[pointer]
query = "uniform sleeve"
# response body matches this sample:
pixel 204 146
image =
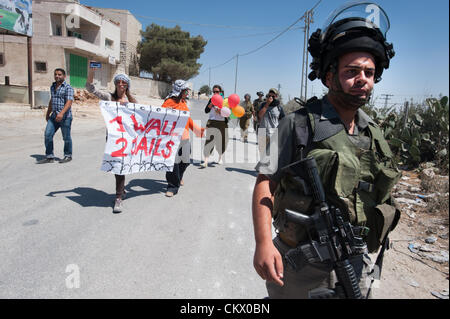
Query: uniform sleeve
pixel 281 150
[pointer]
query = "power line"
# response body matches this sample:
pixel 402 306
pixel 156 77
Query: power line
pixel 218 66
pixel 270 41
pixel 387 97
pixel 221 38
pixel 304 78
pixel 208 25
pixel 127 12
pixel 306 14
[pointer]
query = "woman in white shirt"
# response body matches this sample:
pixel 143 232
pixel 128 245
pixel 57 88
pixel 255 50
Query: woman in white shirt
pixel 216 130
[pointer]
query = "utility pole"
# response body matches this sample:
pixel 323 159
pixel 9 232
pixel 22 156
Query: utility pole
pixel 209 84
pixel 235 79
pixel 387 97
pixel 308 17
pixel 406 111
pixel 30 70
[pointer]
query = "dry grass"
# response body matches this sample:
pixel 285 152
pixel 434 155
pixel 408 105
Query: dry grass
pixel 438 185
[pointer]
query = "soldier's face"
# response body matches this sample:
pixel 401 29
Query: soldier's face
pixel 356 74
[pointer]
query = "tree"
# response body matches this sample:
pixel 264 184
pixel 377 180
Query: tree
pixel 205 89
pixel 170 53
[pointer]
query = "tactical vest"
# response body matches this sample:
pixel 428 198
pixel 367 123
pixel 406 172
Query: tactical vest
pixel 356 180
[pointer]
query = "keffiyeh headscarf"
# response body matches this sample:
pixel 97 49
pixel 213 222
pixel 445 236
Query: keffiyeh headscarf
pixel 177 88
pixel 122 77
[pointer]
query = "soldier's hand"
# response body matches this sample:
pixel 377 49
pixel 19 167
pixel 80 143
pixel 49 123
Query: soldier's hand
pixel 268 263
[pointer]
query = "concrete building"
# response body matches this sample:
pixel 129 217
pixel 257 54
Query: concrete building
pixel 130 37
pixel 66 35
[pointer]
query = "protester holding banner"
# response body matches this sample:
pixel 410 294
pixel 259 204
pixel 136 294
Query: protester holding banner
pixel 177 100
pixel 217 124
pixel 121 94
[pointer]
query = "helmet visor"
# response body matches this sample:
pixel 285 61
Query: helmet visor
pixel 368 11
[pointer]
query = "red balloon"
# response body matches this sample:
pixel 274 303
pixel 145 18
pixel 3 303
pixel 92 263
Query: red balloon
pixel 217 100
pixel 233 100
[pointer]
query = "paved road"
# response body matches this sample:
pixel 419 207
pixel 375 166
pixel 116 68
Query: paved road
pixel 56 222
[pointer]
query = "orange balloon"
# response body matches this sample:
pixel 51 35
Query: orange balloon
pixel 238 111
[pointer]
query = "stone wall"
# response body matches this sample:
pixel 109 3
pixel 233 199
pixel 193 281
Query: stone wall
pixel 148 87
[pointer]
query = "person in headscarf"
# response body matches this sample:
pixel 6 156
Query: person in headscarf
pixel 177 100
pixel 244 121
pixel 121 94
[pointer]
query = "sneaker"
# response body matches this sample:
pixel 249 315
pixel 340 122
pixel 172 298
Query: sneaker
pixel 66 159
pixel 169 194
pixel 46 161
pixel 117 206
pixel 204 165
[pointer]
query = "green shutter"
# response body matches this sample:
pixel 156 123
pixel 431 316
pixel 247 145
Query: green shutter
pixel 78 71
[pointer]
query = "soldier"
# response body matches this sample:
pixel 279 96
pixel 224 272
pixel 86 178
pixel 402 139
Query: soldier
pixel 354 161
pixel 244 121
pixel 256 104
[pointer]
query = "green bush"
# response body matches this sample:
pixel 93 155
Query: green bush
pixel 419 135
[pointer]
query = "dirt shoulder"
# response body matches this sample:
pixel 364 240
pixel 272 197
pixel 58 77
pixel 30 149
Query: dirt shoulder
pixel 416 265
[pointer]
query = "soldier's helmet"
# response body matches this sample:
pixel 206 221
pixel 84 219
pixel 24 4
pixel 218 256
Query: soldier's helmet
pixel 355 26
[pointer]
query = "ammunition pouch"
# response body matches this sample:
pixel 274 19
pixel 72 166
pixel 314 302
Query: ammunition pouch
pixel 383 219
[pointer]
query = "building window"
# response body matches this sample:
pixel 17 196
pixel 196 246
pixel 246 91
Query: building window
pixel 40 67
pixel 74 34
pixel 2 59
pixel 58 30
pixel 109 43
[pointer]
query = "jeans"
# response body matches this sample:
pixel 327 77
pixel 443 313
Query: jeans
pixel 50 130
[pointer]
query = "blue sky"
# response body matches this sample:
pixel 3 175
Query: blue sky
pixel 419 32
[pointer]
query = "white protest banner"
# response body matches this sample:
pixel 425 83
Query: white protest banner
pixel 141 137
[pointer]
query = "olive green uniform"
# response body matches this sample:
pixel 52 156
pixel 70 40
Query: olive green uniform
pixel 244 121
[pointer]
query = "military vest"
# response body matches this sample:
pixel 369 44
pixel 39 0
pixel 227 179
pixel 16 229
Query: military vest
pixel 356 180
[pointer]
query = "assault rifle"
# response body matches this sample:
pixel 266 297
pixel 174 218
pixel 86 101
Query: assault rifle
pixel 332 240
